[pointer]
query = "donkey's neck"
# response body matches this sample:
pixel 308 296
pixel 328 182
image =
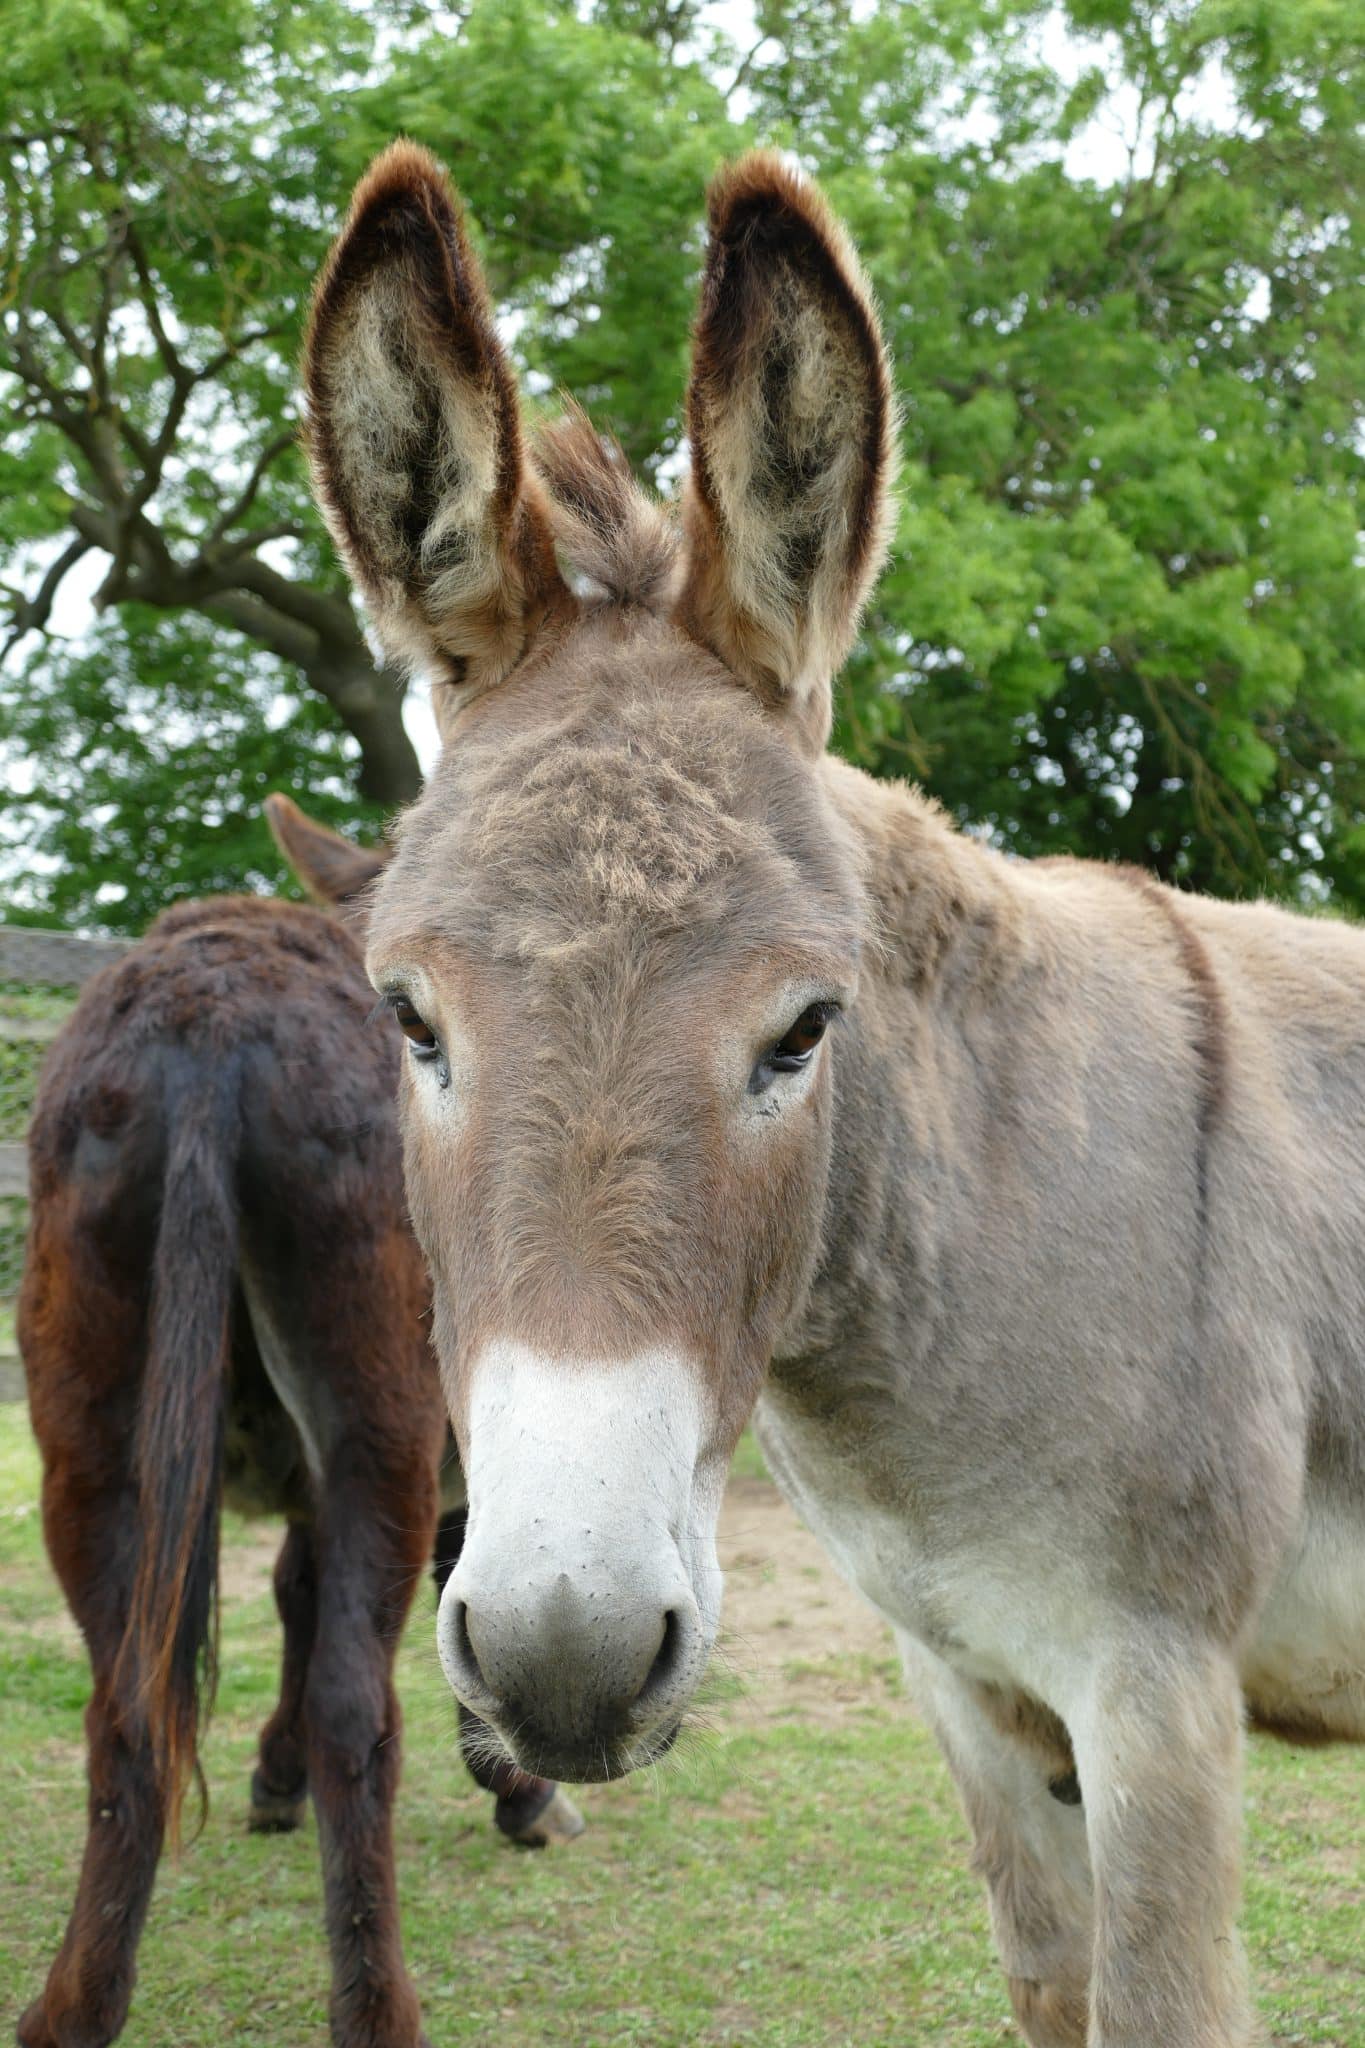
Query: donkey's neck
pixel 963 947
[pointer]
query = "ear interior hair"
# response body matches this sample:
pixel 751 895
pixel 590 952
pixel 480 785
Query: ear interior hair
pixel 792 425
pixel 414 434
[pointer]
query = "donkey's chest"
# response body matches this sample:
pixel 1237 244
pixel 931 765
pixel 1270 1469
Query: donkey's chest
pixel 990 1608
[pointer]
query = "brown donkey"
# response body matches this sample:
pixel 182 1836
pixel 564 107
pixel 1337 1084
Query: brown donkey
pixel 221 1291
pixel 1028 1203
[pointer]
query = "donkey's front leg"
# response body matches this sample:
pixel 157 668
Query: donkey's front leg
pixel 1029 1843
pixel 1158 1739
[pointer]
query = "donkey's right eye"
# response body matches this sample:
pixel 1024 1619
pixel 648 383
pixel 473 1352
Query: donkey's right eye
pixel 415 1029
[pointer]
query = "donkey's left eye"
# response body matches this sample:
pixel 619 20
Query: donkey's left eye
pixel 415 1029
pixel 796 1048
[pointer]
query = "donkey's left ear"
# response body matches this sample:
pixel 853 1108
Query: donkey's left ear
pixel 792 429
pixel 333 870
pixel 414 435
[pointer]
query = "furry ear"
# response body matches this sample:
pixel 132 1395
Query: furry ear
pixel 792 427
pixel 414 436
pixel 332 870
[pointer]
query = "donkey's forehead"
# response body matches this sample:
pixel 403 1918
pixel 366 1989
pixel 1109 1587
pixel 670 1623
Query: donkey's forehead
pixel 615 800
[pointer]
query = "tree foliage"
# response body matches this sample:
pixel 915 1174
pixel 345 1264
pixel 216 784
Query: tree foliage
pixel 1125 614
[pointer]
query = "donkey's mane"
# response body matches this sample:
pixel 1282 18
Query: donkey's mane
pixel 610 532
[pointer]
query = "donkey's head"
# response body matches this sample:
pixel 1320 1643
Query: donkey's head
pixel 622 920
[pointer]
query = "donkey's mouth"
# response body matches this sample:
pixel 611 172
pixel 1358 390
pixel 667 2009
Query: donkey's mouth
pixel 598 1761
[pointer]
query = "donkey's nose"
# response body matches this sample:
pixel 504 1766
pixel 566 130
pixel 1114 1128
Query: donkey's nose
pixel 564 1669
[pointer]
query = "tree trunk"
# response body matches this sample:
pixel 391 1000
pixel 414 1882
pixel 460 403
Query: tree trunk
pixel 318 631
pixel 369 703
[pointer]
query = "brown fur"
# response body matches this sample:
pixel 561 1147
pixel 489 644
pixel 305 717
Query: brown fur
pixel 1049 1273
pixel 1211 1032
pixel 334 870
pixel 1050 2015
pixel 622 541
pixel 216 1122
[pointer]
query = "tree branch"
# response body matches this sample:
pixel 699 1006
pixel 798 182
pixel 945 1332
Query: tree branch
pixel 242 503
pixel 86 428
pixel 745 70
pixel 31 614
pixel 256 537
pixel 151 306
pixel 285 637
pixel 232 349
pixel 316 609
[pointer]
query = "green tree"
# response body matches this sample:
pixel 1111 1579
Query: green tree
pixel 1126 614
pixel 151 745
pixel 173 179
pixel 161 228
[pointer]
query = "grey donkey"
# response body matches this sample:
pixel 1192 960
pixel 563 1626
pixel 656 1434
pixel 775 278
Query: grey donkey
pixel 1023 1205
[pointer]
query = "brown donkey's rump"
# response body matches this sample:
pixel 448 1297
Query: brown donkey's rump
pixel 221 1293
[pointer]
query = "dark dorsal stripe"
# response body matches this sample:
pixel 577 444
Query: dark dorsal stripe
pixel 1211 1028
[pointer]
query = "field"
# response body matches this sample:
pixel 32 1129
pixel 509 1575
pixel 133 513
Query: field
pixel 796 1879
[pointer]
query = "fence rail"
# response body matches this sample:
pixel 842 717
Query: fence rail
pixel 55 959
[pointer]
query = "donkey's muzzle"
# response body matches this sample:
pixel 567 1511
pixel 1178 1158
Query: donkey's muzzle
pixel 579 1618
pixel 578 1683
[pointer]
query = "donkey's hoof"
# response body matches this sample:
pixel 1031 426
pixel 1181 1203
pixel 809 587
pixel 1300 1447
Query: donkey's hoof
pixel 33 2030
pixel 558 1820
pixel 275 1813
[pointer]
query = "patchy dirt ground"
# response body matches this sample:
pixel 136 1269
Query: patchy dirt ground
pixel 247 1561
pixel 797 1636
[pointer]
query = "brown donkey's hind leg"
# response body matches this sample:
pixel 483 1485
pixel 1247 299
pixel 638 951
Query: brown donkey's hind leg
pixel 372 1537
pixel 89 1515
pixel 531 1811
pixel 279 1783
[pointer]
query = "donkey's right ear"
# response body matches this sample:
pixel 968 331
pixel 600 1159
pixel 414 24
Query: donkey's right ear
pixel 414 436
pixel 331 868
pixel 792 426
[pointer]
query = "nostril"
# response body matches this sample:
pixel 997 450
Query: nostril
pixel 664 1669
pixel 464 1649
pixel 461 1659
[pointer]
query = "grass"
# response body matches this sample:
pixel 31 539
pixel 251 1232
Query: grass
pixel 789 1883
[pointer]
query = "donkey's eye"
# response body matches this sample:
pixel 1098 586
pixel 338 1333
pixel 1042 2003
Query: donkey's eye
pixel 415 1029
pixel 796 1048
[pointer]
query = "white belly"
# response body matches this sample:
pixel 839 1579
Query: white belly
pixel 1009 1620
pixel 1305 1668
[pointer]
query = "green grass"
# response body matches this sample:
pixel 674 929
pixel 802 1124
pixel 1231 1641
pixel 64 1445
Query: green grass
pixel 786 1883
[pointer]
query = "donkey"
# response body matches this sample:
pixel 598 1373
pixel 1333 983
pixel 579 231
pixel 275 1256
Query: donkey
pixel 221 1291
pixel 1027 1202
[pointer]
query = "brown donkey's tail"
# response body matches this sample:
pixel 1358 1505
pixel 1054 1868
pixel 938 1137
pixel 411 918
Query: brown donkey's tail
pixel 168 1662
